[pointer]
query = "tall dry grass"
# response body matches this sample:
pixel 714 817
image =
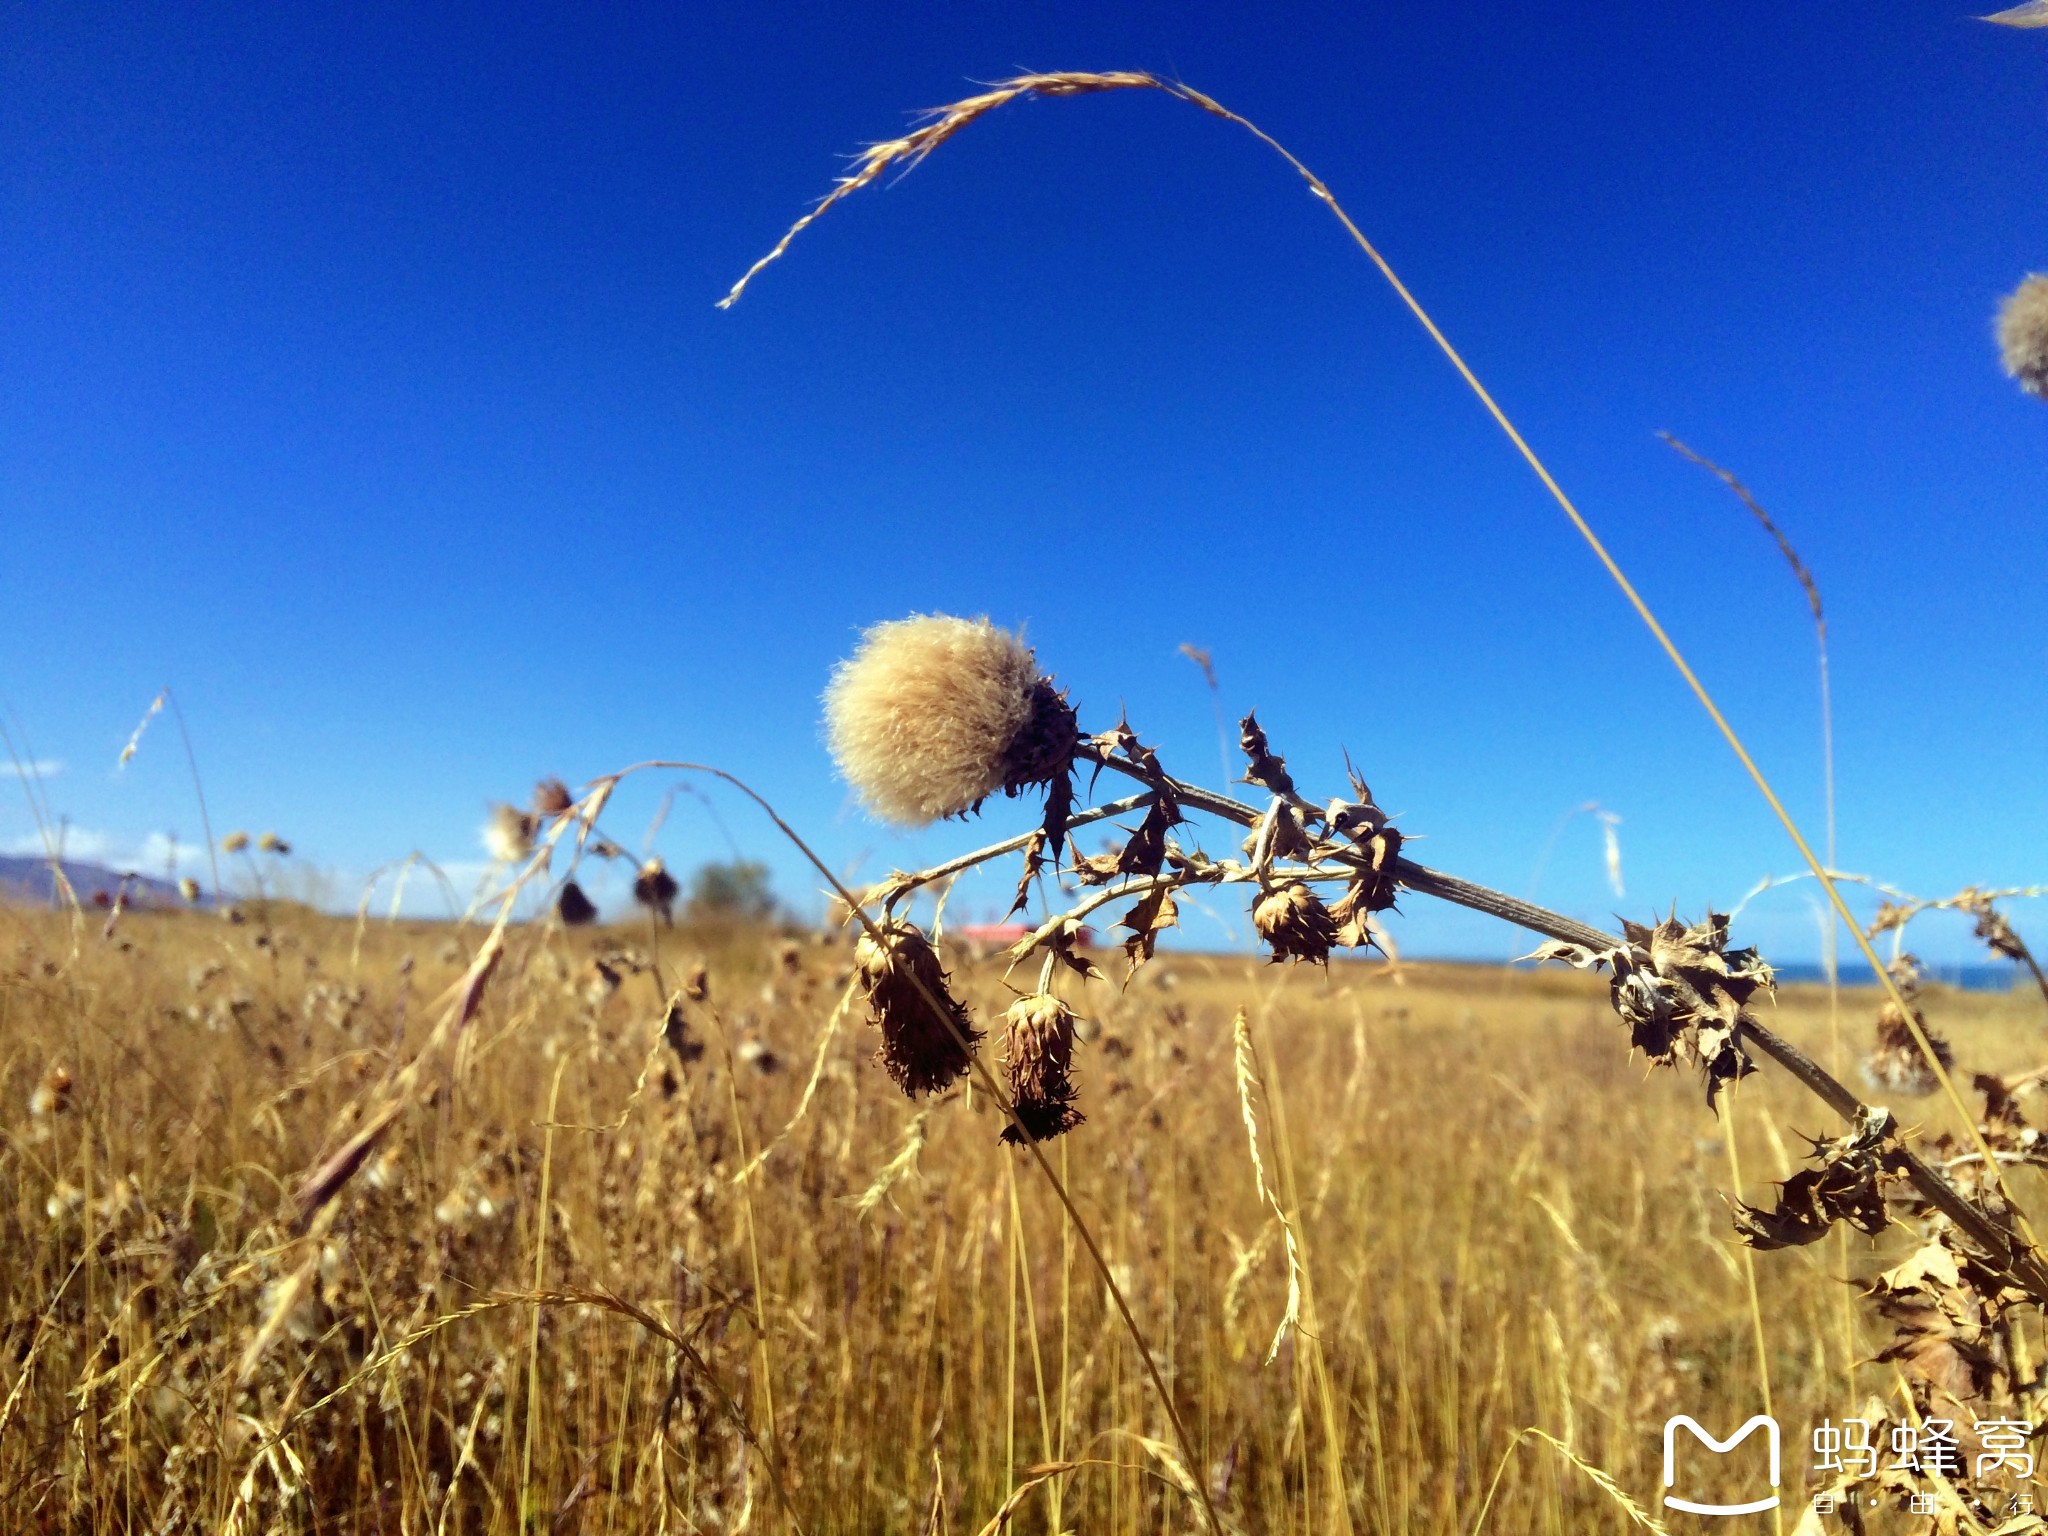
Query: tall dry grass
pixel 552 1301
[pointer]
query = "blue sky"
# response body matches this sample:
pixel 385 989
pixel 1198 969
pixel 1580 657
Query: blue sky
pixel 362 382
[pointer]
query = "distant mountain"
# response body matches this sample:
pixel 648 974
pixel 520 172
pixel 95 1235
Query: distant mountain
pixel 29 882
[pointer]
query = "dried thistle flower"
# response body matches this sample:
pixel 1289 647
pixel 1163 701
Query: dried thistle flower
pixel 919 1049
pixel 53 1094
pixel 1848 1185
pixel 270 842
pixel 1295 924
pixel 933 714
pixel 551 797
pixel 2023 334
pixel 1896 1063
pixel 574 907
pixel 1683 993
pixel 508 835
pixel 234 842
pixel 1038 1059
pixel 655 889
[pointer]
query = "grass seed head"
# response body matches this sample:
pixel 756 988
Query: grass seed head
pixel 270 842
pixel 1038 1059
pixel 2023 334
pixel 188 888
pixel 234 842
pixel 508 835
pixel 1295 924
pixel 919 1051
pixel 932 714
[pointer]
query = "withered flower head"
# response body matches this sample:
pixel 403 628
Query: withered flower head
pixel 270 842
pixel 933 714
pixel 655 888
pixel 188 888
pixel 1293 921
pixel 508 835
pixel 53 1094
pixel 575 907
pixel 1896 1064
pixel 2023 334
pixel 551 797
pixel 1038 1060
pixel 234 842
pixel 919 1050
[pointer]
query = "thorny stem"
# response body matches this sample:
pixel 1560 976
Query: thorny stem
pixel 907 883
pixel 2003 1246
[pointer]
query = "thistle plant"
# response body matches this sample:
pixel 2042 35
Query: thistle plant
pixel 1313 875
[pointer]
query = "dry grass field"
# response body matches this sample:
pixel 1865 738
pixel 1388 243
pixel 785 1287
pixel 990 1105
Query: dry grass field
pixel 626 1268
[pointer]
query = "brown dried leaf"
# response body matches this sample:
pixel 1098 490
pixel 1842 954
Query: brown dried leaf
pixel 1152 915
pixel 1145 853
pixel 1097 868
pixel 1847 1186
pixel 1061 940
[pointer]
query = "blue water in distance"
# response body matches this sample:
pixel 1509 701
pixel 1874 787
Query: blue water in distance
pixel 1853 973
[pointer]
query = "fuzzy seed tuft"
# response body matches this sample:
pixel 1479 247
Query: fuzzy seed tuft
pixel 2023 334
pixel 933 714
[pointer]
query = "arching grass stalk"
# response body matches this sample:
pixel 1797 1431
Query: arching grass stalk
pixel 942 123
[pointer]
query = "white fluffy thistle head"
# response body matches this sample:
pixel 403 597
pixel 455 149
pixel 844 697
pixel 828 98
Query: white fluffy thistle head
pixel 508 835
pixel 922 717
pixel 2023 334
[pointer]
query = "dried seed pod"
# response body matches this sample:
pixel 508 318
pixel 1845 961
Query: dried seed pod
pixel 1683 993
pixel 270 842
pixel 1848 1185
pixel 574 907
pixel 53 1094
pixel 551 797
pixel 919 1049
pixel 655 889
pixel 1997 934
pixel 234 842
pixel 1896 1063
pixel 1295 924
pixel 1038 1059
pixel 933 714
pixel 188 888
pixel 508 835
pixel 2023 334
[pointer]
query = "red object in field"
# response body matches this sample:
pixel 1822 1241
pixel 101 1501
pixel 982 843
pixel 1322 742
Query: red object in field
pixel 1009 933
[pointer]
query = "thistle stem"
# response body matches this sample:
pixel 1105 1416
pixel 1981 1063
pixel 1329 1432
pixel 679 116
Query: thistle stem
pixel 1999 1242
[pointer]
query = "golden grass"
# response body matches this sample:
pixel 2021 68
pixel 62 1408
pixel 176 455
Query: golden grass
pixel 549 1300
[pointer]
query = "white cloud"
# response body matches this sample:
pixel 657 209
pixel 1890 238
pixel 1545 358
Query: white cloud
pixel 82 845
pixel 38 768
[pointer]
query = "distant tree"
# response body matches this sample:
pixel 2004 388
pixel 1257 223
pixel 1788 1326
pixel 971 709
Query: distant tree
pixel 735 892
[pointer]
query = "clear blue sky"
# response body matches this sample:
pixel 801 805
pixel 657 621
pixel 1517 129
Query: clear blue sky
pixel 359 377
